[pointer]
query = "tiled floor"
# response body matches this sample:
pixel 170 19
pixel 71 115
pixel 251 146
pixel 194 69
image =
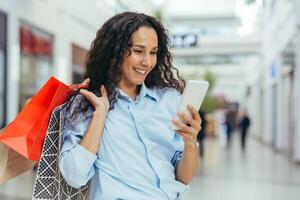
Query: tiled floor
pixel 224 174
pixel 258 173
pixel 19 188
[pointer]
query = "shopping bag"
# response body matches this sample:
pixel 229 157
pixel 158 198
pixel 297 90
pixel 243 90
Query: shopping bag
pixel 26 133
pixel 49 182
pixel 12 163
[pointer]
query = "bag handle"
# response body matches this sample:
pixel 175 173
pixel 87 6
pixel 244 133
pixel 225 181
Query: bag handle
pixel 78 86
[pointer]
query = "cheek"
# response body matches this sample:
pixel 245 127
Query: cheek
pixel 130 60
pixel 154 62
pixel 127 64
pixel 134 59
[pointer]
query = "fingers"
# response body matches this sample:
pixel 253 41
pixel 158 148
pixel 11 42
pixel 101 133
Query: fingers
pixel 184 134
pixel 99 103
pixel 186 119
pixel 194 121
pixel 103 91
pixel 89 95
pixel 194 113
pixel 182 127
pixel 85 83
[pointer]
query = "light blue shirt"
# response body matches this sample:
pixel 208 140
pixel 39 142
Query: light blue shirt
pixel 138 150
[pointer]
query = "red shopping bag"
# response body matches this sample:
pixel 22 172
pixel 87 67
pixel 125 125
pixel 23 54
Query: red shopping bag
pixel 26 133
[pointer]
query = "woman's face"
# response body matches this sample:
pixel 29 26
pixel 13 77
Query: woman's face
pixel 142 59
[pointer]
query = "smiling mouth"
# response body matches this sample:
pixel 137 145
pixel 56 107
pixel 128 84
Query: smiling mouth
pixel 140 71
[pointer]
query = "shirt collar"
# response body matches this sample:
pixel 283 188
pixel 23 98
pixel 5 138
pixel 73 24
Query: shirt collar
pixel 122 95
pixel 145 91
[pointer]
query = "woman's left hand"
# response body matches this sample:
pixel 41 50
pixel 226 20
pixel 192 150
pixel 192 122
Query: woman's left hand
pixel 190 130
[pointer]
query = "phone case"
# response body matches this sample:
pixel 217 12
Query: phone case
pixel 193 94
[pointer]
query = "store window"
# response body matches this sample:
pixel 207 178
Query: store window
pixel 36 60
pixel 78 63
pixel 3 69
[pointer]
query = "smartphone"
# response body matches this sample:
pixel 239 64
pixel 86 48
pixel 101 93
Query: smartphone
pixel 193 94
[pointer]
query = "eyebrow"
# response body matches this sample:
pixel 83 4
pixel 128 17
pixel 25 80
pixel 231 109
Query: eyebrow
pixel 142 46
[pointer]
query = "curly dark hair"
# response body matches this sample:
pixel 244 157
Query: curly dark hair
pixel 113 40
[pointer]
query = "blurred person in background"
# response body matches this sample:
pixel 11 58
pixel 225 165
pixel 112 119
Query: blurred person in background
pixel 201 134
pixel 118 135
pixel 244 124
pixel 229 123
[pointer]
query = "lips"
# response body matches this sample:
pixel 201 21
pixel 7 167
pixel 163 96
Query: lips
pixel 139 71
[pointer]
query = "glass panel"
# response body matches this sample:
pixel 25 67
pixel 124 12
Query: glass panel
pixel 35 72
pixel 78 62
pixel 36 60
pixel 2 63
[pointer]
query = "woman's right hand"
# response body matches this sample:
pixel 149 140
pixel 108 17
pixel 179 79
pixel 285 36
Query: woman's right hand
pixel 100 104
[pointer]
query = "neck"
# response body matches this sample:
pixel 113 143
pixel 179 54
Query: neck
pixel 131 90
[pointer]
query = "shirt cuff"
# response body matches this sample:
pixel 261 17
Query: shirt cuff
pixel 176 158
pixel 85 158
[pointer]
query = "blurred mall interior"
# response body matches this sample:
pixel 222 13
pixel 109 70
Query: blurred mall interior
pixel 249 51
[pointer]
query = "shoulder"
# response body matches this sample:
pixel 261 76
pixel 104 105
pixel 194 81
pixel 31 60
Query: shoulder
pixel 168 98
pixel 167 93
pixel 77 109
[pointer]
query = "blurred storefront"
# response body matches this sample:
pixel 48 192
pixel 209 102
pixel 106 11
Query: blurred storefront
pixel 35 60
pixel 48 38
pixel 3 67
pixel 276 87
pixel 78 63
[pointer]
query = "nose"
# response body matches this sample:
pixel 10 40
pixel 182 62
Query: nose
pixel 146 60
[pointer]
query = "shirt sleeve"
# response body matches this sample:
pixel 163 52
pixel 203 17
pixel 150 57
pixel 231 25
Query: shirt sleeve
pixel 176 158
pixel 177 139
pixel 76 162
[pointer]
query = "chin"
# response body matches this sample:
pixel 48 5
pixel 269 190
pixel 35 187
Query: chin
pixel 139 82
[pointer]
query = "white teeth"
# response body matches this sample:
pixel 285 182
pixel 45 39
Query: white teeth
pixel 140 71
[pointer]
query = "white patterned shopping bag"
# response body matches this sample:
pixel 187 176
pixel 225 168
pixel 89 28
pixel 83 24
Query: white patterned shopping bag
pixel 49 183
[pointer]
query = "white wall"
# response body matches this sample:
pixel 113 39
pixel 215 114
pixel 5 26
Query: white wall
pixel 279 32
pixel 296 91
pixel 296 103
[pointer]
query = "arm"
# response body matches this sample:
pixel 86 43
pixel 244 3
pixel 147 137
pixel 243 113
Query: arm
pixel 78 155
pixel 187 167
pixel 93 134
pixel 92 137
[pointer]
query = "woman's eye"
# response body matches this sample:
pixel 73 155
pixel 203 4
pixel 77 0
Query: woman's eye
pixel 153 52
pixel 138 51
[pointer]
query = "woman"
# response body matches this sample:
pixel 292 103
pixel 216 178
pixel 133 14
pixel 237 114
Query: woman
pixel 118 135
